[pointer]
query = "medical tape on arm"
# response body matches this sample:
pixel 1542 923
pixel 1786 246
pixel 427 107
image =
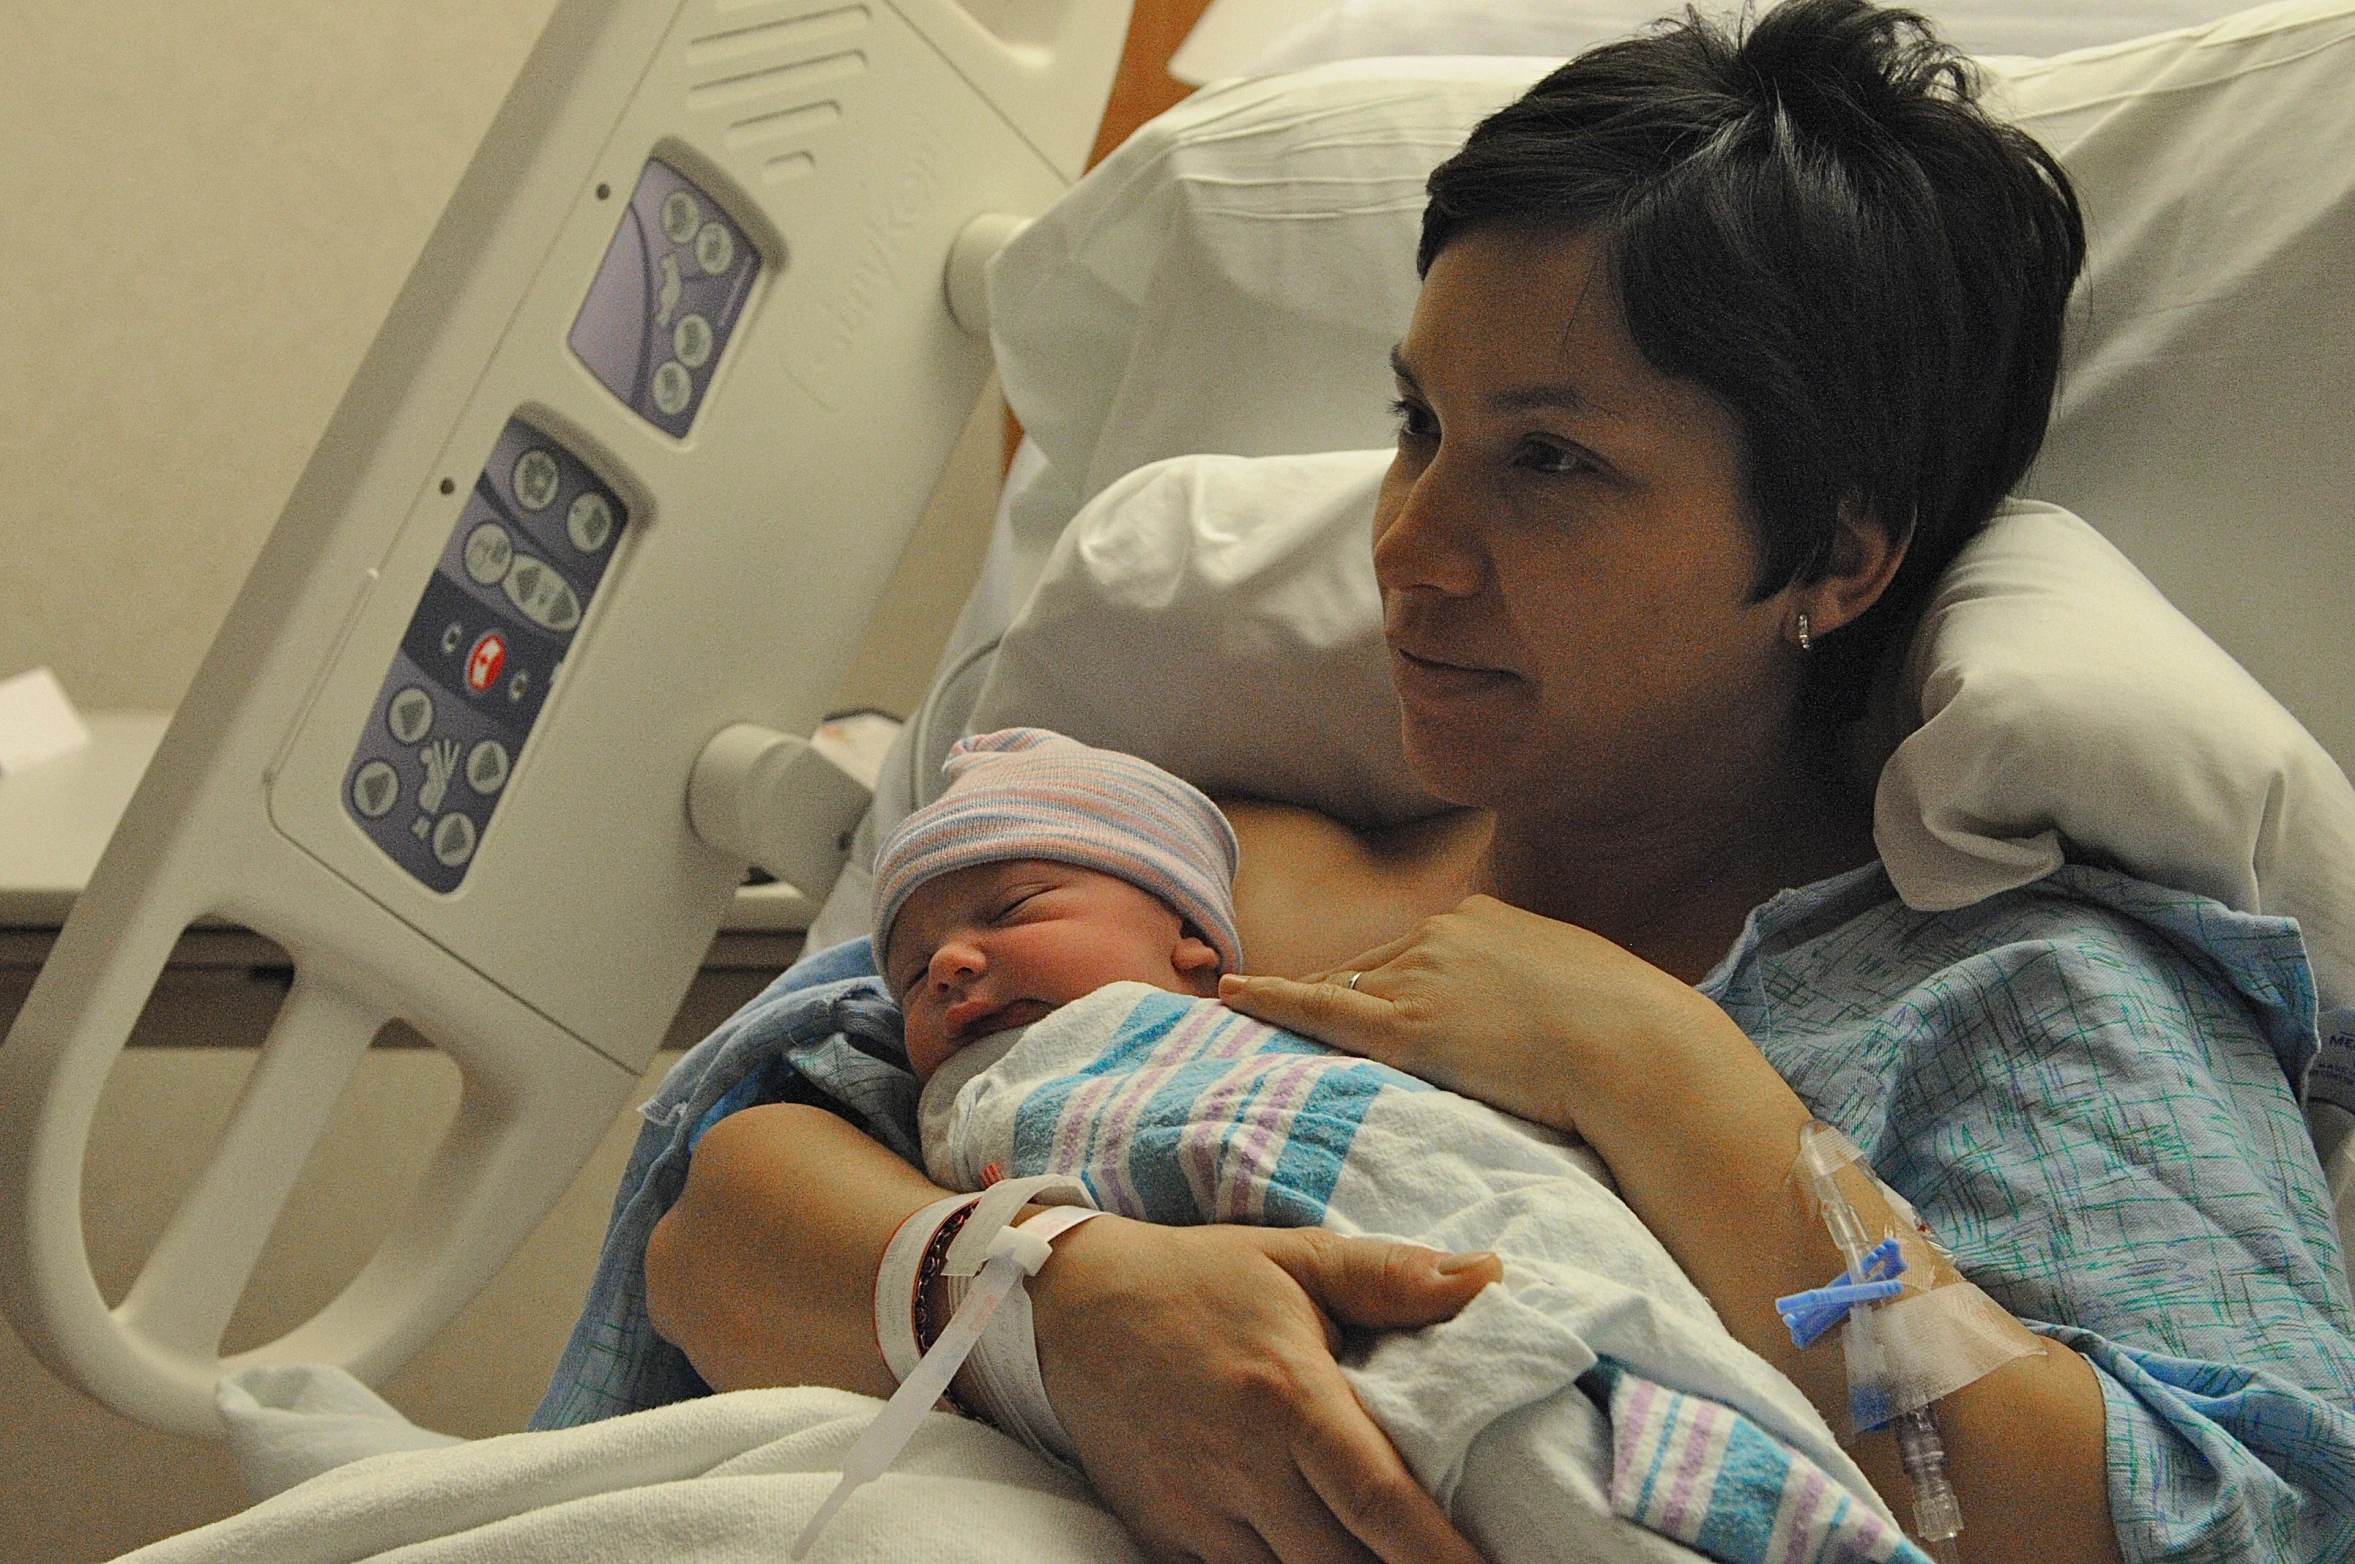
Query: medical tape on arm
pixel 1942 1333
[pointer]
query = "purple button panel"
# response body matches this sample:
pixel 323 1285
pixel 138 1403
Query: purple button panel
pixel 666 299
pixel 487 640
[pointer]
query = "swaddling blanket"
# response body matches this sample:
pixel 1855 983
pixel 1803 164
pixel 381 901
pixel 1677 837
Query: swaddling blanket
pixel 1178 1110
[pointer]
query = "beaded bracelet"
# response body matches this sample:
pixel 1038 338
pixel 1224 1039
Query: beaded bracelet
pixel 936 1255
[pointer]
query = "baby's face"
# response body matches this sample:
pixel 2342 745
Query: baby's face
pixel 999 945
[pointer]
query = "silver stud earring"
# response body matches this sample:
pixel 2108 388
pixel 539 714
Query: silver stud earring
pixel 1805 643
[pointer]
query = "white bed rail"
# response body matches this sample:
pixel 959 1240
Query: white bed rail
pixel 441 750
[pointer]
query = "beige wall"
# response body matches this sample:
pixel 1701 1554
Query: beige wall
pixel 212 203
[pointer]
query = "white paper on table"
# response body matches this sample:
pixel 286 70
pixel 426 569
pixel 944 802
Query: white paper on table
pixel 37 722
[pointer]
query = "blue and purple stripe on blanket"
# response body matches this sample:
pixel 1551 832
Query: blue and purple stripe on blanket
pixel 1683 1466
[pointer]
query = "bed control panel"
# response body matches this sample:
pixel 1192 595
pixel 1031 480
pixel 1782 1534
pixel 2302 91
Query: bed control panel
pixel 481 652
pixel 666 298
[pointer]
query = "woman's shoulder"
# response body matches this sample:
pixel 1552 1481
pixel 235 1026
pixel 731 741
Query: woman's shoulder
pixel 2072 1079
pixel 2084 950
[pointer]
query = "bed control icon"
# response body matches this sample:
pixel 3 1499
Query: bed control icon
pixel 410 716
pixel 453 840
pixel 441 763
pixel 486 767
pixel 489 551
pixel 672 287
pixel 673 386
pixel 715 249
pixel 590 522
pixel 543 595
pixel 537 477
pixel 375 789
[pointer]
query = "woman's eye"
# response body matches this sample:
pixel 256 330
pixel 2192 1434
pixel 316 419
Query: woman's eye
pixel 1548 457
pixel 1415 422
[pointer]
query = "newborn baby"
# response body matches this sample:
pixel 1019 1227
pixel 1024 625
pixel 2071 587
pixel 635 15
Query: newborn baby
pixel 1054 928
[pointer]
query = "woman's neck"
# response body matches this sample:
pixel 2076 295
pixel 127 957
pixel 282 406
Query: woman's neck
pixel 1672 880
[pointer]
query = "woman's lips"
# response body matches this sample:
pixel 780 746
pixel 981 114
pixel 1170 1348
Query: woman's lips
pixel 1424 676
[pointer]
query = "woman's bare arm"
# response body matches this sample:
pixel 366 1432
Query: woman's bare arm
pixel 763 1273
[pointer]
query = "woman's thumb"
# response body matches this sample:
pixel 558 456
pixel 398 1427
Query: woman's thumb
pixel 1376 1284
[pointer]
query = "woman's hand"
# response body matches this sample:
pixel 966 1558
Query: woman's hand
pixel 1539 1018
pixel 1194 1369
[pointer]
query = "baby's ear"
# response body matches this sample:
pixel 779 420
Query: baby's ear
pixel 1196 957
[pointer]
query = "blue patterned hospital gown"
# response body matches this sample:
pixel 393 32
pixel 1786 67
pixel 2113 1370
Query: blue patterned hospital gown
pixel 2086 1086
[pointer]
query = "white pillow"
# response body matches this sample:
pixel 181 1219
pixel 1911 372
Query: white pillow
pixel 1233 277
pixel 2068 710
pixel 1219 616
pixel 1359 29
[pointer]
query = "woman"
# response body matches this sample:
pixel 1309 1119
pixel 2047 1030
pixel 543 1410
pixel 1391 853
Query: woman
pixel 1724 348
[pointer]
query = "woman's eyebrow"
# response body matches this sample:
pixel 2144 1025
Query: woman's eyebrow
pixel 1520 399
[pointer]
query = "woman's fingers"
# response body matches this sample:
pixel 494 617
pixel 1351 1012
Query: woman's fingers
pixel 1354 1472
pixel 1275 1452
pixel 1371 960
pixel 1329 1011
pixel 1366 1487
pixel 1377 1285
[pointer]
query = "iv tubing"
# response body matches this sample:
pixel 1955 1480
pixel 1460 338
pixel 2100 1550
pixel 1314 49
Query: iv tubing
pixel 1937 1515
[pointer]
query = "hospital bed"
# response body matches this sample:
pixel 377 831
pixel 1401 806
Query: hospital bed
pixel 1206 292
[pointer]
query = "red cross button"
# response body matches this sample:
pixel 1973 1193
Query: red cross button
pixel 485 661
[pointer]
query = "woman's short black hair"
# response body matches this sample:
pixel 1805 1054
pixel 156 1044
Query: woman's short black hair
pixel 1812 218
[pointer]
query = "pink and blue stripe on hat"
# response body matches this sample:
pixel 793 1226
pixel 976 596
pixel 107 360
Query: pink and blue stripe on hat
pixel 1030 793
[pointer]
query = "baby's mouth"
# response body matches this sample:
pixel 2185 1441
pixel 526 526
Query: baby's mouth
pixel 969 1019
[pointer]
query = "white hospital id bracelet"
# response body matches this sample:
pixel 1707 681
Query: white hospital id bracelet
pixel 896 1283
pixel 1002 1381
pixel 1013 1254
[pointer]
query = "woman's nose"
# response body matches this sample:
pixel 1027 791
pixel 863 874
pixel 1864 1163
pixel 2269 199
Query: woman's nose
pixel 1422 534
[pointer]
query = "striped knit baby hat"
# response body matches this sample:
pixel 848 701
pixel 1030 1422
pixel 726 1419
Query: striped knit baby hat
pixel 1029 793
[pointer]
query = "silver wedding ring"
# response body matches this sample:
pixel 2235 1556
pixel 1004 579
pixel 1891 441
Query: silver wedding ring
pixel 1351 985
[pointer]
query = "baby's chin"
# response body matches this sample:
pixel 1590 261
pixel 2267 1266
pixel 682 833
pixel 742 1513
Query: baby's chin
pixel 928 1050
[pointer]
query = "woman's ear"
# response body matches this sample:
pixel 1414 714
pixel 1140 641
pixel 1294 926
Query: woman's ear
pixel 1865 555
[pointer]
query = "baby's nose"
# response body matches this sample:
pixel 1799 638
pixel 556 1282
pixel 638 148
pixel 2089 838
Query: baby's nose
pixel 958 961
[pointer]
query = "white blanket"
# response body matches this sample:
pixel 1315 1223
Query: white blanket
pixel 728 1477
pixel 1178 1110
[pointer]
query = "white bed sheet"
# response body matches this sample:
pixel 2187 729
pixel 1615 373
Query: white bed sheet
pixel 727 1479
